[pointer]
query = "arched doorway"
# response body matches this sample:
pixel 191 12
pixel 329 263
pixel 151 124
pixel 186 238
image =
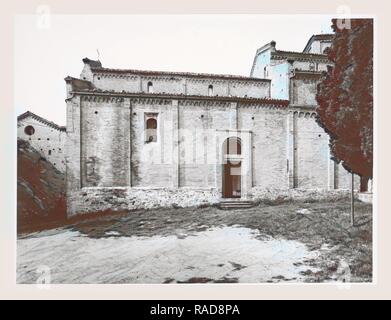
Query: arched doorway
pixel 232 168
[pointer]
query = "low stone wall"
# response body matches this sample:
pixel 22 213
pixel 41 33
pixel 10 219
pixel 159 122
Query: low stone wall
pixel 90 200
pixel 259 195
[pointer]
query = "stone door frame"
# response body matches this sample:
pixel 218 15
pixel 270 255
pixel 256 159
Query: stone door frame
pixel 245 137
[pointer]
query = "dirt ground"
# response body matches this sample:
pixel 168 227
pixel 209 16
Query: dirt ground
pixel 343 253
pixel 41 189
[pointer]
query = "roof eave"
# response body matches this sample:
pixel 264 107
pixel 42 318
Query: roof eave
pixel 42 120
pixel 265 101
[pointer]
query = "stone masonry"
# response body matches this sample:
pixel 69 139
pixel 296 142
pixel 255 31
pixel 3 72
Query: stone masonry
pixel 144 139
pixel 44 136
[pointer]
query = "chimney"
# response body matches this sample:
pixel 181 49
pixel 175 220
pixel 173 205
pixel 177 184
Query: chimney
pixel 92 63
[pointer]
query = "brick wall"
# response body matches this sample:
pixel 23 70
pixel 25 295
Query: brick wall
pixel 105 135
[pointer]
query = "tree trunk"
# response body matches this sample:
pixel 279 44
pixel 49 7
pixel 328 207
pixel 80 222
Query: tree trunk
pixel 364 184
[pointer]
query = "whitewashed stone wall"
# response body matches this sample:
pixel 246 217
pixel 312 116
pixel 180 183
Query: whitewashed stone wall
pixel 303 91
pixel 73 152
pixel 268 127
pixel 344 178
pixel 105 134
pixel 318 46
pixel 130 83
pixel 107 148
pixel 112 166
pixel 312 153
pixel 315 65
pixel 177 84
pixel 48 141
pixel 310 164
pixel 153 164
pixel 197 141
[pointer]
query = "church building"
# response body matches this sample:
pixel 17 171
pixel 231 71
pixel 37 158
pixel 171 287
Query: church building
pixel 144 139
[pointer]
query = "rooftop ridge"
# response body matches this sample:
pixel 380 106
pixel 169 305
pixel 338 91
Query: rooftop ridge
pixel 176 73
pixel 41 119
pixel 305 55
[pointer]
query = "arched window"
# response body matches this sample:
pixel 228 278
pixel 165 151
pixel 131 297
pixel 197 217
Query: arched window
pixel 29 130
pixel 232 168
pixel 232 146
pixel 150 87
pixel 210 91
pixel 151 130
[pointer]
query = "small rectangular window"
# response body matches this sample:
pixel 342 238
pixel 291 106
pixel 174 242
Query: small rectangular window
pixel 150 87
pixel 151 127
pixel 210 91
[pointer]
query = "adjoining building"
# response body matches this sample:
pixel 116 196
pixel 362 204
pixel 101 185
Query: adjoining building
pixel 44 136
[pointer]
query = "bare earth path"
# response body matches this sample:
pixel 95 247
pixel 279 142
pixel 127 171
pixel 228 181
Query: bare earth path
pixel 286 242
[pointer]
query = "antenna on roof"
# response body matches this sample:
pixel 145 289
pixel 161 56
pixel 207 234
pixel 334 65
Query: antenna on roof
pixel 97 50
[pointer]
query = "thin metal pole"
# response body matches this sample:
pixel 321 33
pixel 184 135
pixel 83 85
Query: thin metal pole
pixel 352 202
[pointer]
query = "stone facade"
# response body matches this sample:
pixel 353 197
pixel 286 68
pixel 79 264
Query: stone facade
pixel 295 77
pixel 318 43
pixel 144 139
pixel 44 136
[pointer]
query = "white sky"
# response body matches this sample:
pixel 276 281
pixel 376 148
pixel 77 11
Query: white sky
pixel 49 48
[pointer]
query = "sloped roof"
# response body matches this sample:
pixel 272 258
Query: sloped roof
pixel 319 37
pixel 79 84
pixel 42 120
pixel 92 63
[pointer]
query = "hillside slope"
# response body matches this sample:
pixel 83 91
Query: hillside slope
pixel 40 191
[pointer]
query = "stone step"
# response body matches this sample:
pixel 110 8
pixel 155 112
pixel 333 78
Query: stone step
pixel 235 204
